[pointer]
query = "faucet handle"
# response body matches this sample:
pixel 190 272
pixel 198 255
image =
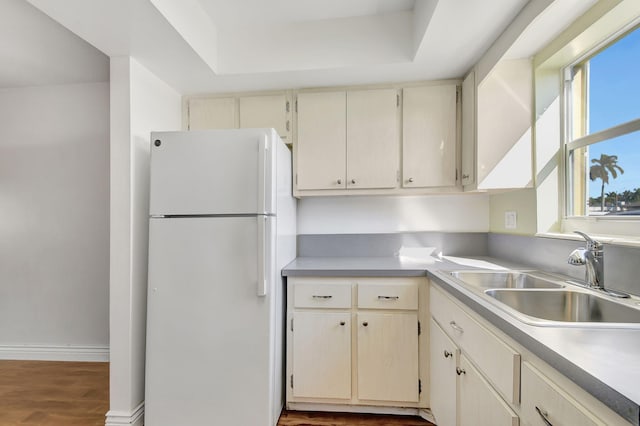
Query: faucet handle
pixel 591 243
pixel 577 257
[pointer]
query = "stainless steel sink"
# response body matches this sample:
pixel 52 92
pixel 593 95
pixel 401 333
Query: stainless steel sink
pixel 566 306
pixel 505 279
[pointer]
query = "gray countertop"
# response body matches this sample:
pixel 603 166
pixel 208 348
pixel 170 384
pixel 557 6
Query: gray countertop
pixel 603 361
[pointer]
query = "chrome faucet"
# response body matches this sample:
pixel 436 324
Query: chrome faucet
pixel 592 257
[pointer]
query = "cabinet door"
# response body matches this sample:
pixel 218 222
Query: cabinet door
pixel 322 355
pixel 212 113
pixel 429 136
pixel 388 357
pixel 321 143
pixel 372 139
pixel 265 111
pixel 542 399
pixel 443 357
pixel 479 404
pixel 469 129
pixel 504 101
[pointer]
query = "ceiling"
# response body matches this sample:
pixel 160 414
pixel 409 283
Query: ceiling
pixel 202 46
pixel 35 50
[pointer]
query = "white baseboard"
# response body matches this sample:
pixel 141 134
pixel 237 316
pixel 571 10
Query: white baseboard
pixel 123 418
pixel 54 353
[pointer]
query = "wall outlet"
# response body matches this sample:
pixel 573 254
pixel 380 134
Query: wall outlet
pixel 510 220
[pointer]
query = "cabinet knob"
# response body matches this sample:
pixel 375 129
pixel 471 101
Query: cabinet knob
pixel 447 354
pixel 365 323
pixel 342 323
pixel 410 180
pixel 460 371
pixel 339 181
pixel 353 181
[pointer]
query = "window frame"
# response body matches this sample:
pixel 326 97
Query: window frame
pixel 613 225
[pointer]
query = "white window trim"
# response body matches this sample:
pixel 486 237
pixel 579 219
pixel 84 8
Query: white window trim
pixel 560 54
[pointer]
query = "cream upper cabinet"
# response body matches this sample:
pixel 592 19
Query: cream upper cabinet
pixel 266 111
pixel 388 356
pixel 347 140
pixel 468 173
pixel 504 101
pixel 372 139
pixel 429 136
pixel 444 355
pixel 211 113
pixel 320 149
pixel 478 402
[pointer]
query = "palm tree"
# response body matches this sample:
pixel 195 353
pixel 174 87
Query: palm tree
pixel 600 170
pixel 613 199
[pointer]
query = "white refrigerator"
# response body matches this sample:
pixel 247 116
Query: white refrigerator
pixel 222 225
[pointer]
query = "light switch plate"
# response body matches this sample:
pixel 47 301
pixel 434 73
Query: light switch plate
pixel 510 220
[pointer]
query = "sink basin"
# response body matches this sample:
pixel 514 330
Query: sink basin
pixel 506 279
pixel 566 306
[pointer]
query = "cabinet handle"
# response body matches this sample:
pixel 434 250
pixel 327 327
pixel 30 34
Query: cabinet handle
pixel 388 297
pixel 544 415
pixel 339 181
pixel 353 181
pixel 456 327
pixel 460 371
pixel 447 354
pixel 365 323
pixel 342 323
pixel 321 297
pixel 410 180
pixel 465 176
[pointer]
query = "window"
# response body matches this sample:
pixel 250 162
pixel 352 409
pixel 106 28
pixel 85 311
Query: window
pixel 602 125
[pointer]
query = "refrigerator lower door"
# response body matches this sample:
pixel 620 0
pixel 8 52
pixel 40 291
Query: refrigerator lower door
pixel 210 336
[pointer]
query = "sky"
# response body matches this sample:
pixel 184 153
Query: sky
pixel 614 90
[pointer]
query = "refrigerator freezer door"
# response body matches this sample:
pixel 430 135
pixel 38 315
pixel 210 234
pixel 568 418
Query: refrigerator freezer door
pixel 216 172
pixel 210 337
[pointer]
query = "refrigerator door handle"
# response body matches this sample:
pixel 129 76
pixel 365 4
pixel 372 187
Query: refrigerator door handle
pixel 263 262
pixel 263 175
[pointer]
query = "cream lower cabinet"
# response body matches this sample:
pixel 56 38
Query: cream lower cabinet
pixel 325 373
pixel 479 403
pixel 459 394
pixel 544 403
pixel 355 342
pixel 479 376
pixel 444 360
pixel 388 357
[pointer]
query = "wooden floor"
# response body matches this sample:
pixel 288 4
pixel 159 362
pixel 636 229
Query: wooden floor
pixel 299 418
pixel 77 393
pixel 53 393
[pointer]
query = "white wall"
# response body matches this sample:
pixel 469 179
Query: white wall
pixel 352 215
pixel 140 103
pixel 54 220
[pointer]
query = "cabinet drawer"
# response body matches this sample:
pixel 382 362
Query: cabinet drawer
pixel 541 397
pixel 318 294
pixel 390 294
pixel 499 363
